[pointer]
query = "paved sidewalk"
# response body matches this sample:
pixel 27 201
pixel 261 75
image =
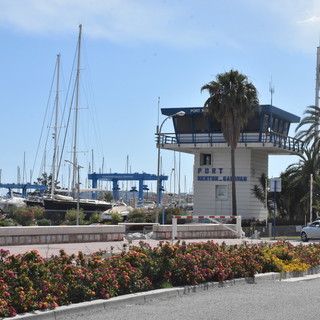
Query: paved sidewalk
pixel 47 250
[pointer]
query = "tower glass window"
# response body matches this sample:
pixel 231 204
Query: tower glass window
pixel 200 123
pixel 205 159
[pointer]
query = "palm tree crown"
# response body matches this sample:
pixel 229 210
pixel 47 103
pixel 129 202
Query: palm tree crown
pixel 312 120
pixel 232 102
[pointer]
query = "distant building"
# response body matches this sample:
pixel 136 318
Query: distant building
pixel 195 133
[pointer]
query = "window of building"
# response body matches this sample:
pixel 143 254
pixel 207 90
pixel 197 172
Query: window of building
pixel 205 159
pixel 265 123
pixel 200 123
pixel 280 129
pixel 183 124
pixel 253 124
pixel 286 128
pixel 221 192
pixel 275 125
pixel 215 126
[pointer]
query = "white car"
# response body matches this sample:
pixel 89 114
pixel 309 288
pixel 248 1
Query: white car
pixel 311 231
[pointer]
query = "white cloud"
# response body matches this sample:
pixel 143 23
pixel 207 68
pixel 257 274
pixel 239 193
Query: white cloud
pixel 187 23
pixel 116 20
pixel 310 20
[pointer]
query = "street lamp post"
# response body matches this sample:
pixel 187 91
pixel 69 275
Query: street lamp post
pixel 77 167
pixel 178 114
pixel 172 170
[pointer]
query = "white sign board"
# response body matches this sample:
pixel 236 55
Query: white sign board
pixel 275 184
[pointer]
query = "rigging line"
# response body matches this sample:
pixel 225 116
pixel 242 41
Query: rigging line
pixel 66 132
pixel 90 100
pixel 45 116
pixel 64 111
pixel 64 106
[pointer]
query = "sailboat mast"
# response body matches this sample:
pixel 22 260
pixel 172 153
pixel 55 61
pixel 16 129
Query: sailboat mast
pixel 75 163
pixel 55 134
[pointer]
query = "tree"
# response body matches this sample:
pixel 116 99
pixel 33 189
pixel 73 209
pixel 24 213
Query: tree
pixel 261 193
pixel 232 102
pixel 309 130
pixel 312 120
pixel 290 206
pixel 106 196
pixel 299 177
pixel 45 180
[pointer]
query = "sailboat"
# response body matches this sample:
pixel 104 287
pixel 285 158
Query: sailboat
pixel 61 203
pixel 12 199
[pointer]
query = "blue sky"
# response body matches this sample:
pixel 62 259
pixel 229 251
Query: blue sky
pixel 135 51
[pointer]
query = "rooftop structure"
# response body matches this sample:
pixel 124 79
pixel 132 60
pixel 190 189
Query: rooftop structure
pixel 196 133
pixel 268 129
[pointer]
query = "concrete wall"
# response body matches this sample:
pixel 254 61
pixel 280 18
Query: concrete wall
pixel 195 231
pixel 60 234
pixel 208 180
pixel 267 231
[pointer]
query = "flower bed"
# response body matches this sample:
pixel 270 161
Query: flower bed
pixel 29 282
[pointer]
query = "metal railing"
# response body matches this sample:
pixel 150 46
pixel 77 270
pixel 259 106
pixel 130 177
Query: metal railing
pixel 278 140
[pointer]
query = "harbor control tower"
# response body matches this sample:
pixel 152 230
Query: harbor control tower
pixel 196 133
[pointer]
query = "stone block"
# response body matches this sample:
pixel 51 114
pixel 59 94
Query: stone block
pixel 9 240
pixel 124 300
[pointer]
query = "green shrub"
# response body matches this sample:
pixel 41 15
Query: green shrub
pixel 95 218
pixel 44 222
pixel 56 218
pixel 71 217
pixel 168 213
pixel 38 212
pixel 7 223
pixel 23 216
pixel 116 217
pixel 137 215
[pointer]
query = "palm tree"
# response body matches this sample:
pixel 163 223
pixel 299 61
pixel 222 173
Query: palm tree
pixel 299 175
pixel 312 120
pixel 232 102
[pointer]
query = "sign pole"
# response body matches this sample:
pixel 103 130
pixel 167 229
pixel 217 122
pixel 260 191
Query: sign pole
pixel 275 186
pixel 274 208
pixel 311 180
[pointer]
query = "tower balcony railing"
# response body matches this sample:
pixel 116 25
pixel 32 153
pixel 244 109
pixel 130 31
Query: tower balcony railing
pixel 276 139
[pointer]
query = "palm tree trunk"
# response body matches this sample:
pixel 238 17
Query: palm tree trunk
pixel 233 184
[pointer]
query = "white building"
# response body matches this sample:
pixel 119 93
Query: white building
pixel 265 134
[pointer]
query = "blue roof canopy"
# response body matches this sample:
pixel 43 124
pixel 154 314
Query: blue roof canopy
pixel 264 109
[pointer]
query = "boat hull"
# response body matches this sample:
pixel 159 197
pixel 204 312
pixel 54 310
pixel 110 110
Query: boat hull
pixel 87 206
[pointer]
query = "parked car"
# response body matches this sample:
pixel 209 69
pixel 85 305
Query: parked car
pixel 311 231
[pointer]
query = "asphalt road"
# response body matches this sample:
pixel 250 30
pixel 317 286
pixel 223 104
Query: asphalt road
pixel 285 300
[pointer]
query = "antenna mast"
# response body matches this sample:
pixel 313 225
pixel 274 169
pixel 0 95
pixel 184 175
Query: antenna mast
pixel 317 78
pixel 158 111
pixel 271 89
